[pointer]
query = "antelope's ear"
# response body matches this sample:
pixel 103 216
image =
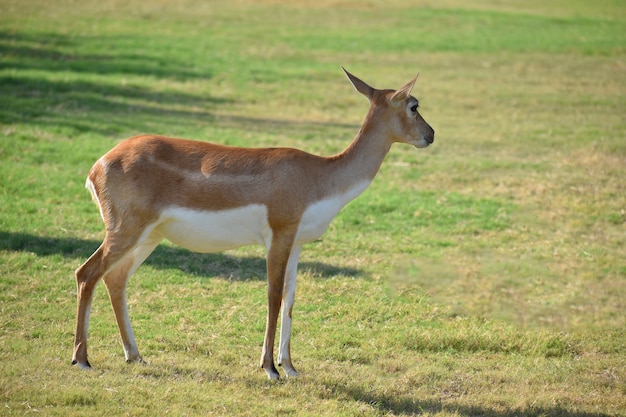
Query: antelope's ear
pixel 360 85
pixel 404 92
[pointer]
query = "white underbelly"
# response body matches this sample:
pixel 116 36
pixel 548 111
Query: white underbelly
pixel 216 231
pixel 220 230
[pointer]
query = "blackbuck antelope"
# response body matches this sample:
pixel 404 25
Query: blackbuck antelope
pixel 209 198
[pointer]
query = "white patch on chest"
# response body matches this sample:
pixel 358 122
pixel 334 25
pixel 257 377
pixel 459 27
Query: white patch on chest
pixel 216 231
pixel 317 217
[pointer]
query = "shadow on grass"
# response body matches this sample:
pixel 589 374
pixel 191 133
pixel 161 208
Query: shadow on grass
pixel 55 81
pixel 49 82
pixel 209 265
pixel 408 406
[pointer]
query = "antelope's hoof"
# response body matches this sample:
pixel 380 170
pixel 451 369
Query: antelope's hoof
pixel 272 373
pixel 290 371
pixel 82 365
pixel 139 360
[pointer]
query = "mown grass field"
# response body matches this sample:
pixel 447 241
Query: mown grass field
pixel 484 275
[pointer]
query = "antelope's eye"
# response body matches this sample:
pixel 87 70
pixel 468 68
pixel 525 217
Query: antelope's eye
pixel 414 108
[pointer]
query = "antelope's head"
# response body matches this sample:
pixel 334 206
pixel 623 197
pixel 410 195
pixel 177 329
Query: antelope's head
pixel 398 109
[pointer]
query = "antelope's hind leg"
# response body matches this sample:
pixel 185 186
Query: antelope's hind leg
pixel 116 281
pixel 115 263
pixel 87 276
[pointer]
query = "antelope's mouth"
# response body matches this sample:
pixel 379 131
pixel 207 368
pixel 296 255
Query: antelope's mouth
pixel 425 142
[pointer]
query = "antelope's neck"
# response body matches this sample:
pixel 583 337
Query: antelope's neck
pixel 349 174
pixel 361 161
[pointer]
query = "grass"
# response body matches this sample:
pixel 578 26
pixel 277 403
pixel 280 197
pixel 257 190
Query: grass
pixel 484 275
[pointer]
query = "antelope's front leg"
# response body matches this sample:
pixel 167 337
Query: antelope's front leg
pixel 289 291
pixel 278 255
pixel 267 357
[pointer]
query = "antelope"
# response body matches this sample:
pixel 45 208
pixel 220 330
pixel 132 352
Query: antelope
pixel 209 198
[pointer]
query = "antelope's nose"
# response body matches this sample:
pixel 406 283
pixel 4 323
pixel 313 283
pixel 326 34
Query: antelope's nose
pixel 429 136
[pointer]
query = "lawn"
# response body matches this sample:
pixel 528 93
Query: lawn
pixel 484 275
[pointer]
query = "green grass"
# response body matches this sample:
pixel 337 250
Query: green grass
pixel 485 275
